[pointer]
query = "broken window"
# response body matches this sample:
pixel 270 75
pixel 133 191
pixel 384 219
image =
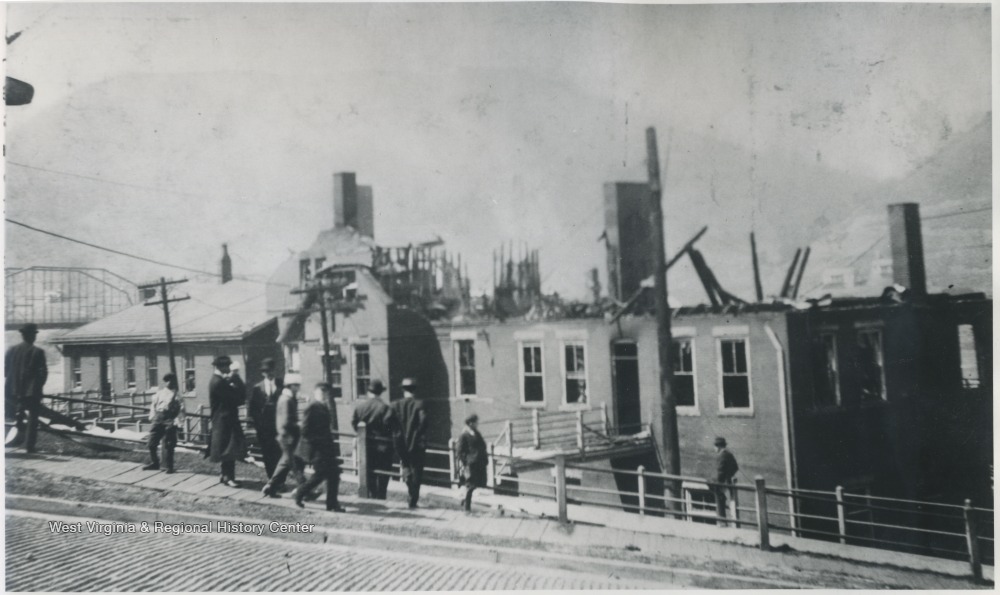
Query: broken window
pixel 575 373
pixel 466 353
pixel 683 365
pixel 532 389
pixel 827 371
pixel 735 374
pixel 969 356
pixel 871 365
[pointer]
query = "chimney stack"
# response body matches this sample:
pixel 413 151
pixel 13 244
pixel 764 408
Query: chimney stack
pixel 353 205
pixel 907 247
pixel 227 266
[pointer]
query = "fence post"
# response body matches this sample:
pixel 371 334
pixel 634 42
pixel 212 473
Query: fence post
pixel 604 419
pixel 642 489
pixel 841 516
pixel 509 428
pixel 762 525
pixel 734 504
pixel 452 469
pixel 561 488
pixel 535 432
pixel 972 538
pixel 492 464
pixel 579 431
pixel 361 450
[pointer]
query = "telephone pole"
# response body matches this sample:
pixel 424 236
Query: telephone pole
pixel 318 288
pixel 166 315
pixel 669 446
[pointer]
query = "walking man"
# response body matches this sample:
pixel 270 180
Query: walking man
pixel 317 448
pixel 410 438
pixel 166 411
pixel 380 423
pixel 725 472
pixel 262 410
pixel 226 392
pixel 287 422
pixel 472 460
pixel 25 373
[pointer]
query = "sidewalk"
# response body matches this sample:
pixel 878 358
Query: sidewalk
pixel 515 522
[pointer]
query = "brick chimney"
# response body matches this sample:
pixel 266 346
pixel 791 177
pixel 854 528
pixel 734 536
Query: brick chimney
pixel 227 266
pixel 353 204
pixel 907 247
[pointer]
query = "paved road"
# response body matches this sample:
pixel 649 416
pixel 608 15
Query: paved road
pixel 38 559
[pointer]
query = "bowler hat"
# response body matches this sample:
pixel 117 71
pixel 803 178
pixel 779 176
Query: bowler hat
pixel 267 364
pixel 376 387
pixel 29 329
pixel 222 360
pixel 720 441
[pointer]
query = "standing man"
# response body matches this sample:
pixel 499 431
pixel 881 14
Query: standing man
pixel 226 392
pixel 262 409
pixel 286 420
pixel 166 411
pixel 317 448
pixel 380 423
pixel 725 472
pixel 25 373
pixel 411 444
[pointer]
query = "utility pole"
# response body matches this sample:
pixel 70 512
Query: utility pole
pixel 166 314
pixel 318 289
pixel 668 442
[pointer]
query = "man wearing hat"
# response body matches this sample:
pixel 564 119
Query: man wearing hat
pixel 25 373
pixel 725 472
pixel 286 420
pixel 380 424
pixel 263 401
pixel 226 392
pixel 411 445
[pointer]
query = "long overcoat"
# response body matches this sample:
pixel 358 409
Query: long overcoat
pixel 26 372
pixel 473 457
pixel 225 395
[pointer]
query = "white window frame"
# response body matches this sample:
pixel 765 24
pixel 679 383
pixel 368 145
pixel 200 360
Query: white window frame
pixel 75 368
pixel 832 333
pixel 867 327
pixel 354 366
pixel 293 352
pixel 684 333
pixel 566 405
pixel 134 384
pixel 457 359
pixel 183 380
pixel 521 344
pixel 735 336
pixel 154 382
pixel 693 486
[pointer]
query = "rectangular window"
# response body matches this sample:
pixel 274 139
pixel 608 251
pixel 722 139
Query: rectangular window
pixel 871 365
pixel 129 371
pixel 969 356
pixel 465 351
pixel 575 373
pixel 699 501
pixel 335 361
pixel 362 370
pixel 827 371
pixel 735 374
pixel 77 371
pixel 152 371
pixel 683 362
pixel 189 373
pixel 532 389
pixel 293 362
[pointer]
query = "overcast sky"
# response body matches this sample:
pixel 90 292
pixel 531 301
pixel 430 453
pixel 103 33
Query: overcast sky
pixel 481 123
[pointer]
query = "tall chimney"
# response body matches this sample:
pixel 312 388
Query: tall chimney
pixel 907 247
pixel 345 200
pixel 227 266
pixel 365 212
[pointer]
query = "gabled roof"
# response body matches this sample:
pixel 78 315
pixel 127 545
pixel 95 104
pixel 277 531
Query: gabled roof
pixel 214 312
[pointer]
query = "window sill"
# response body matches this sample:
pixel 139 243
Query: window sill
pixel 575 407
pixel 736 413
pixel 538 405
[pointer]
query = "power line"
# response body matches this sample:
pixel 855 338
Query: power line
pixel 956 213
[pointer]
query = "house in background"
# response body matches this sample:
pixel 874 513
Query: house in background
pixel 127 351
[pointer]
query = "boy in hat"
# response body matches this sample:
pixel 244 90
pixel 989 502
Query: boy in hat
pixel 410 438
pixel 472 459
pixel 166 411
pixel 25 372
pixel 226 392
pixel 262 408
pixel 725 472
pixel 380 425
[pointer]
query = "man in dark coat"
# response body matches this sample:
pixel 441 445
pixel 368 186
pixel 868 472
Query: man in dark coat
pixel 725 472
pixel 263 400
pixel 472 460
pixel 317 448
pixel 25 374
pixel 226 392
pixel 380 424
pixel 411 445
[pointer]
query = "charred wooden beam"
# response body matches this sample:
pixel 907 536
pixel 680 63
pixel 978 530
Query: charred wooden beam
pixel 756 269
pixel 791 271
pixel 798 277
